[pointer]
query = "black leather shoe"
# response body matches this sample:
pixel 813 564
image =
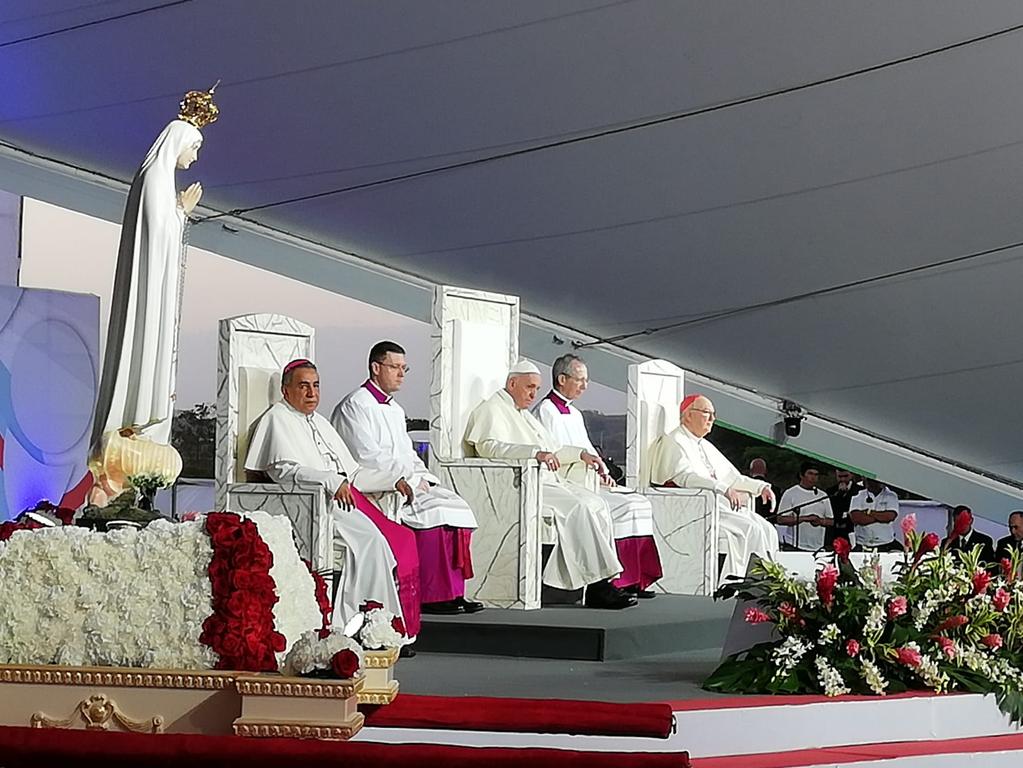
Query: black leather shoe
pixel 406 652
pixel 641 594
pixel 469 606
pixel 441 608
pixel 605 595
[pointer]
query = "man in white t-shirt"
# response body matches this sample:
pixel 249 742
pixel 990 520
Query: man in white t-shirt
pixel 873 511
pixel 804 512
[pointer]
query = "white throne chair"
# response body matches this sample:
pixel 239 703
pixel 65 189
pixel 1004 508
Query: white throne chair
pixel 685 520
pixel 252 350
pixel 474 342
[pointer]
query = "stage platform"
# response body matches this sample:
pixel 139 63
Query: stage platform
pixel 718 731
pixel 666 624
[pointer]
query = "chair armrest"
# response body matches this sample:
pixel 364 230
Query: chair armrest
pixel 276 489
pixel 478 462
pixel 678 492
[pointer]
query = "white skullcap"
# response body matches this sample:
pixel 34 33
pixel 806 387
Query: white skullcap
pixel 523 367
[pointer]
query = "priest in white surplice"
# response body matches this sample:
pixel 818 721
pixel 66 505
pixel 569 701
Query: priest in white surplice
pixel 372 424
pixel 684 459
pixel 502 427
pixel 631 513
pixel 296 446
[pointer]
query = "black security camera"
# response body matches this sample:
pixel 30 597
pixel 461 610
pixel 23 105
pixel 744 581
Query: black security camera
pixel 793 419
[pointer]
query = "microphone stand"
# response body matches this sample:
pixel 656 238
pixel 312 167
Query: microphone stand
pixel 815 500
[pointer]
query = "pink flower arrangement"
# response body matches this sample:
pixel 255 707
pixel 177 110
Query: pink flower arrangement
pixel 992 641
pixel 961 525
pixel 981 580
pixel 952 622
pixel 842 548
pixel 1000 599
pixel 788 610
pixel 827 578
pixel 947 647
pixel 928 543
pixel 756 616
pixel 897 606
pixel 910 657
pixel 908 525
pixel 852 647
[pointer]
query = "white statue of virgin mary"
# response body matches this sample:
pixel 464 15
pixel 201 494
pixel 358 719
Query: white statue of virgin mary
pixel 136 390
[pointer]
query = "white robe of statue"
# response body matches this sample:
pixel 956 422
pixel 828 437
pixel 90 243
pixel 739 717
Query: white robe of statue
pixel 585 551
pixel 690 462
pixel 300 450
pixel 373 427
pixel 631 512
pixel 140 358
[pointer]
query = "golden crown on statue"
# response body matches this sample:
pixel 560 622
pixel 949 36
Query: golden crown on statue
pixel 198 108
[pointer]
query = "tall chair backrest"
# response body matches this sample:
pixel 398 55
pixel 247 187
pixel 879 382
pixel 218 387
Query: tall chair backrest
pixel 655 389
pixel 251 352
pixel 475 339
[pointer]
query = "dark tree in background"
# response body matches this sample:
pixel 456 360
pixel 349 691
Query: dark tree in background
pixel 194 434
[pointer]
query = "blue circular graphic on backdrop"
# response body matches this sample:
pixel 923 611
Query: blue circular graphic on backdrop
pixel 53 386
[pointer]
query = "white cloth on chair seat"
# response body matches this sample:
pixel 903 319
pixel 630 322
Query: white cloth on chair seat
pixel 681 458
pixel 584 552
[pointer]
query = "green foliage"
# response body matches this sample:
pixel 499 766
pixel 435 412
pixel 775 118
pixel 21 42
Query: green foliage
pixel 944 623
pixel 194 435
pixel 121 508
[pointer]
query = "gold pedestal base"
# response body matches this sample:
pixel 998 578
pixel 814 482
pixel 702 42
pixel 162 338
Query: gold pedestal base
pixel 121 699
pixel 298 707
pixel 378 669
pixel 118 699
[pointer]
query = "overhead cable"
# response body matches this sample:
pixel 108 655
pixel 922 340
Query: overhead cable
pixel 93 23
pixel 634 126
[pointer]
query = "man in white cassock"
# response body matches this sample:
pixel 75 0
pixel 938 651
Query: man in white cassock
pixel 296 446
pixel 502 427
pixel 684 459
pixel 631 513
pixel 372 424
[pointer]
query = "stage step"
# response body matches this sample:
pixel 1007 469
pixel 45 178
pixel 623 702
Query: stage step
pixel 666 624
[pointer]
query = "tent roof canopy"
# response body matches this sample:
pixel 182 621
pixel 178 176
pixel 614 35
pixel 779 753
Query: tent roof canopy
pixel 739 187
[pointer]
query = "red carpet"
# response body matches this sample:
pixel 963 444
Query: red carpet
pixel 33 748
pixel 864 752
pixel 478 713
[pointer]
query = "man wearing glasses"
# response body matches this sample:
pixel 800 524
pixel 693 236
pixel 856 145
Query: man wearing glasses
pixel 372 424
pixel 684 459
pixel 631 513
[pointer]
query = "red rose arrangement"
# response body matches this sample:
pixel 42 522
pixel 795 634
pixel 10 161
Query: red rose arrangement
pixel 322 598
pixel 241 627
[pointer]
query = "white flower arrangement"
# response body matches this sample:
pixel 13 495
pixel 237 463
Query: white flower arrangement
pixel 875 622
pixel 787 655
pixel 378 631
pixel 130 597
pixel 296 611
pixel 873 677
pixel 830 678
pixel 829 634
pixel 311 653
pixel 126 598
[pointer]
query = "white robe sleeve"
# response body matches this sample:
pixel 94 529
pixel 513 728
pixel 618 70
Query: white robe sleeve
pixel 496 449
pixel 671 464
pixel 353 424
pixel 370 480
